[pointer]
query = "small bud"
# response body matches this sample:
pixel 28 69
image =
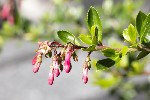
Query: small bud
pixel 51 78
pixel 67 67
pixel 37 60
pixel 85 79
pixel 34 60
pixel 67 63
pixel 51 75
pixel 36 67
pixel 85 75
pixel 56 66
pixel 56 72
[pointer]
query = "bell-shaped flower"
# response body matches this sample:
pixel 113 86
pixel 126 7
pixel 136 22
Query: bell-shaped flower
pixel 34 60
pixel 56 66
pixel 51 76
pixel 85 75
pixel 67 63
pixel 37 60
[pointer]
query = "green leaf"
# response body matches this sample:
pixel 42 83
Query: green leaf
pixel 67 37
pixel 145 30
pixel 94 23
pixel 108 52
pixel 104 64
pixel 130 34
pixel 142 54
pixel 85 39
pixel 140 20
pixel 90 48
pixel 95 37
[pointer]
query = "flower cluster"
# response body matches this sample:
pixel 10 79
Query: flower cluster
pixel 45 48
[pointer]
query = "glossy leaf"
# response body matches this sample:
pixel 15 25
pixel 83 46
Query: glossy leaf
pixel 104 64
pixel 140 20
pixel 67 37
pixel 145 30
pixel 142 54
pixel 94 23
pixel 130 34
pixel 85 39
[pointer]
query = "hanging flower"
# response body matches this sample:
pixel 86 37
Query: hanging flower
pixel 51 76
pixel 85 75
pixel 37 60
pixel 34 60
pixel 67 63
pixel 86 67
pixel 56 66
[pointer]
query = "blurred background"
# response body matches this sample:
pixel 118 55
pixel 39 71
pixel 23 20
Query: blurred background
pixel 24 22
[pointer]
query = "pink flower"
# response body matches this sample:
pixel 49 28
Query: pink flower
pixel 37 60
pixel 34 60
pixel 56 66
pixel 36 67
pixel 85 75
pixel 51 77
pixel 67 65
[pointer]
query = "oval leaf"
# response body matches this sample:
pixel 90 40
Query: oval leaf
pixel 85 39
pixel 140 20
pixel 130 34
pixel 145 30
pixel 94 22
pixel 104 64
pixel 67 37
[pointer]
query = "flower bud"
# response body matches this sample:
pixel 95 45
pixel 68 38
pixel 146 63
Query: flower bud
pixel 34 60
pixel 36 67
pixel 67 66
pixel 85 75
pixel 56 72
pixel 51 75
pixel 56 66
pixel 37 60
pixel 67 63
pixel 51 78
